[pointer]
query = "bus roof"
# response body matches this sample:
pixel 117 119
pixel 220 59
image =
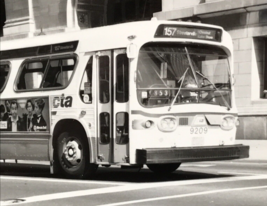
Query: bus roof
pixel 101 38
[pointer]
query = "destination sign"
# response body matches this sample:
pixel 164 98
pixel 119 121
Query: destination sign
pixel 178 31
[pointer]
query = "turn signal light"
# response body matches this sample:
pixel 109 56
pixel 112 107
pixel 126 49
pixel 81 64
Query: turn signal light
pixel 228 123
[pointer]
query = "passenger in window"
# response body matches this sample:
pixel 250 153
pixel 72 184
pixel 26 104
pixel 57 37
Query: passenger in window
pixel 7 114
pixel 38 120
pixel 30 116
pixel 14 122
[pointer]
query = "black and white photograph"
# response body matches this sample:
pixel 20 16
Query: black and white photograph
pixel 133 102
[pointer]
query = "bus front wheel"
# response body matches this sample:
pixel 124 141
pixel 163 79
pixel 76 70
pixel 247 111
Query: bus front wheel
pixel 163 168
pixel 72 156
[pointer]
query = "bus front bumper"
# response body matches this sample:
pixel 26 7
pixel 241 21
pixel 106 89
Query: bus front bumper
pixel 191 154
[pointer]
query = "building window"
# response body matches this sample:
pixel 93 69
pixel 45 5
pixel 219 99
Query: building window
pixel 265 69
pixel 259 68
pixel 2 16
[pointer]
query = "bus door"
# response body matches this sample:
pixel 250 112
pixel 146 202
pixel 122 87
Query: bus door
pixel 112 109
pixel 121 106
pixel 104 107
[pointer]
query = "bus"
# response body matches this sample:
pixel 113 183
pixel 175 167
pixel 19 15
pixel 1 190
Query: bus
pixel 154 93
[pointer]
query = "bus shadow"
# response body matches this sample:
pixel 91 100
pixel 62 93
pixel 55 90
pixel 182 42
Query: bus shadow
pixel 145 175
pixel 111 174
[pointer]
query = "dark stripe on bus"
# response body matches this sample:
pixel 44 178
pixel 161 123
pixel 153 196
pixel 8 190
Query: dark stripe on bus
pixel 40 50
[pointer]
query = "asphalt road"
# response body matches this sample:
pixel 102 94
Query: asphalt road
pixel 207 183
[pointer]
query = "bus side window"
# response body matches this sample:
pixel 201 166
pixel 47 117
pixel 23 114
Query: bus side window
pixel 86 85
pixel 4 71
pixel 104 79
pixel 122 86
pixel 59 72
pixel 31 75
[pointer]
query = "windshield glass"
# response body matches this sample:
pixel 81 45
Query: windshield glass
pixel 182 74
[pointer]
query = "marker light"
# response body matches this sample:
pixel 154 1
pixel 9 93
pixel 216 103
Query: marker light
pixel 148 124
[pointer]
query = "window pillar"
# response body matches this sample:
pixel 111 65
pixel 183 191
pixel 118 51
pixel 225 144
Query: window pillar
pixel 72 20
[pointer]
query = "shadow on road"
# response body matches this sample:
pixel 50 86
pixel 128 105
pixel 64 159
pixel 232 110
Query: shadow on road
pixel 111 174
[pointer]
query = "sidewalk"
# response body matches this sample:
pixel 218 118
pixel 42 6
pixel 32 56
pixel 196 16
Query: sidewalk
pixel 258 148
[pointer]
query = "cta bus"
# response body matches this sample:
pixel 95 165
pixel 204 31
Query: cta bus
pixel 155 93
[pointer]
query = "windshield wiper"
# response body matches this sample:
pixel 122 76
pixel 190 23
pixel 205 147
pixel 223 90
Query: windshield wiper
pixel 182 78
pixel 224 100
pixel 191 65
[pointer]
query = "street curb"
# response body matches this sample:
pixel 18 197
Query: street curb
pixel 258 149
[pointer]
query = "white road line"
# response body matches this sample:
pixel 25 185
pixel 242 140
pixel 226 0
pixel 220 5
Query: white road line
pixel 197 165
pixel 248 162
pixel 125 188
pixel 184 195
pixel 238 173
pixel 62 180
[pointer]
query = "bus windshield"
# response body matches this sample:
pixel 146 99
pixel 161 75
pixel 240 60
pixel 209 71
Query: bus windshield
pixel 182 74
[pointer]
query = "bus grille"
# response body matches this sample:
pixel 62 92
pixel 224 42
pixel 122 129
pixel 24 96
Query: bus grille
pixel 183 121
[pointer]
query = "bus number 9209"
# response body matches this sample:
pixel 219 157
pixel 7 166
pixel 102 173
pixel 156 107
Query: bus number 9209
pixel 198 130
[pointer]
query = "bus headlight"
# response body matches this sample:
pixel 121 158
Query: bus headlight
pixel 168 124
pixel 228 123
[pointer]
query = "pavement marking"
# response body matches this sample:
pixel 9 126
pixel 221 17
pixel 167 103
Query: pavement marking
pixel 197 165
pixel 246 162
pixel 63 181
pixel 184 195
pixel 238 173
pixel 125 188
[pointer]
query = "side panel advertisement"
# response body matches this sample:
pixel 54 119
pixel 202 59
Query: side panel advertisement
pixel 24 114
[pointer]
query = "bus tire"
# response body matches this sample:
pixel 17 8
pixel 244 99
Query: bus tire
pixel 72 156
pixel 163 168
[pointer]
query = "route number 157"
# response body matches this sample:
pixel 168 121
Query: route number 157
pixel 169 31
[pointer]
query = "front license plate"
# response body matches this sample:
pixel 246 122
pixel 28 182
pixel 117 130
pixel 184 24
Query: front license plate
pixel 198 130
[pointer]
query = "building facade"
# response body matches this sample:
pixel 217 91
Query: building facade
pixel 246 21
pixel 27 18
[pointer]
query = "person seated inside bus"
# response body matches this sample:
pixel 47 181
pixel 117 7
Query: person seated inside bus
pixel 51 78
pixel 15 122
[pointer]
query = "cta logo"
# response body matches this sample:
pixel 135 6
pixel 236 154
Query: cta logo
pixel 63 102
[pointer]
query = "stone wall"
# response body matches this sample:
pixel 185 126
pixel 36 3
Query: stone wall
pixel 249 33
pixel 50 15
pixel 19 18
pixel 27 18
pixel 246 21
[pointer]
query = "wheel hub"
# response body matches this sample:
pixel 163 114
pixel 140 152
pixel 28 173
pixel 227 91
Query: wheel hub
pixel 72 153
